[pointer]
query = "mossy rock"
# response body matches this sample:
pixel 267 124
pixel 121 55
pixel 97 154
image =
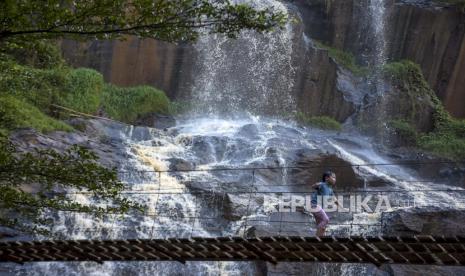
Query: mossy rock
pixel 345 59
pixel 128 104
pixel 322 122
pixel 414 115
pixel 17 113
pixel 403 133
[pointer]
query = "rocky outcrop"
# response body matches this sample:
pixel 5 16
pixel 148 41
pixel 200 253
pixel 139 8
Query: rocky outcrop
pixel 155 120
pixel 325 88
pixel 135 62
pixel 436 221
pixel 422 31
pixel 432 220
pixel 434 37
pixel 430 35
pixel 109 150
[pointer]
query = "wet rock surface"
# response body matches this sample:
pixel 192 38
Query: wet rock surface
pixel 430 220
pixel 229 201
pixel 155 120
pixel 107 148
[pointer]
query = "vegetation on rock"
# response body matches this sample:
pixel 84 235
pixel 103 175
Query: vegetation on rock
pixel 447 138
pixel 404 131
pixel 83 90
pixel 323 122
pixel 16 113
pixel 40 87
pixel 33 76
pixel 39 53
pixel 345 59
pixel 127 104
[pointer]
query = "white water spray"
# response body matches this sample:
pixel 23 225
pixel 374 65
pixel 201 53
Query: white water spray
pixel 251 74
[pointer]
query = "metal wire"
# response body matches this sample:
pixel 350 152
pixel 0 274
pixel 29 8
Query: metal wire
pixel 252 187
pixel 405 163
pixel 154 192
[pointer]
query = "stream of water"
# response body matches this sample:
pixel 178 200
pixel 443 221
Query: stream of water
pixel 242 78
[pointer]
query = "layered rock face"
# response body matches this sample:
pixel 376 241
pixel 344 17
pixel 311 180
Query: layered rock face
pixel 324 88
pixel 433 37
pixel 430 35
pixel 135 62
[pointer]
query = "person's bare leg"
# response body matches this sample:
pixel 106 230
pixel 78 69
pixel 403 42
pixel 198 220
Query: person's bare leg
pixel 320 232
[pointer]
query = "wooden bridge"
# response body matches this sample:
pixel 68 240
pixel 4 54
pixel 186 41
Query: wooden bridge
pixel 427 250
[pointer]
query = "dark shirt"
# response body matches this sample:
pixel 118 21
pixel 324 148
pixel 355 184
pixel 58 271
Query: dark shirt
pixel 323 190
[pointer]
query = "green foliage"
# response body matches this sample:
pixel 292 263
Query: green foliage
pixel 126 104
pixel 42 54
pixel 40 87
pixel 416 95
pixel 323 122
pixel 344 59
pixel 404 131
pixel 16 113
pixel 408 76
pixel 444 144
pixel 83 90
pixel 448 136
pixel 79 89
pixel 47 171
pixel 173 20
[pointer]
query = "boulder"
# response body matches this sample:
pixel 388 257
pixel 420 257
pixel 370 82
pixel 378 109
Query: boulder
pixel 429 220
pixel 155 120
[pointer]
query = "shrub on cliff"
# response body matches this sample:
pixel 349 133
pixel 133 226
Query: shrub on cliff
pixel 126 104
pixel 408 77
pixel 79 89
pixel 323 122
pixel 83 90
pixel 345 59
pixel 447 136
pixel 17 113
pixel 39 87
pixel 403 131
pixel 411 98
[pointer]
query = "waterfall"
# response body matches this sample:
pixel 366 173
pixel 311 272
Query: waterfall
pixel 251 74
pixel 377 10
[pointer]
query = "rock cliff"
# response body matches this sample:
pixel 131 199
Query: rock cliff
pixel 135 62
pixel 422 31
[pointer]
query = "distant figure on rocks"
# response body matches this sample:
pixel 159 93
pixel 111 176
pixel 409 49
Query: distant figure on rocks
pixel 323 189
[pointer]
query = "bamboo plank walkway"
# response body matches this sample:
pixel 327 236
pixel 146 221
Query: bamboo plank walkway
pixel 427 250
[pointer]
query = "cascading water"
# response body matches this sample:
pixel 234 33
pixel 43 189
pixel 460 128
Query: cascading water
pixel 253 75
pixel 376 25
pixel 377 12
